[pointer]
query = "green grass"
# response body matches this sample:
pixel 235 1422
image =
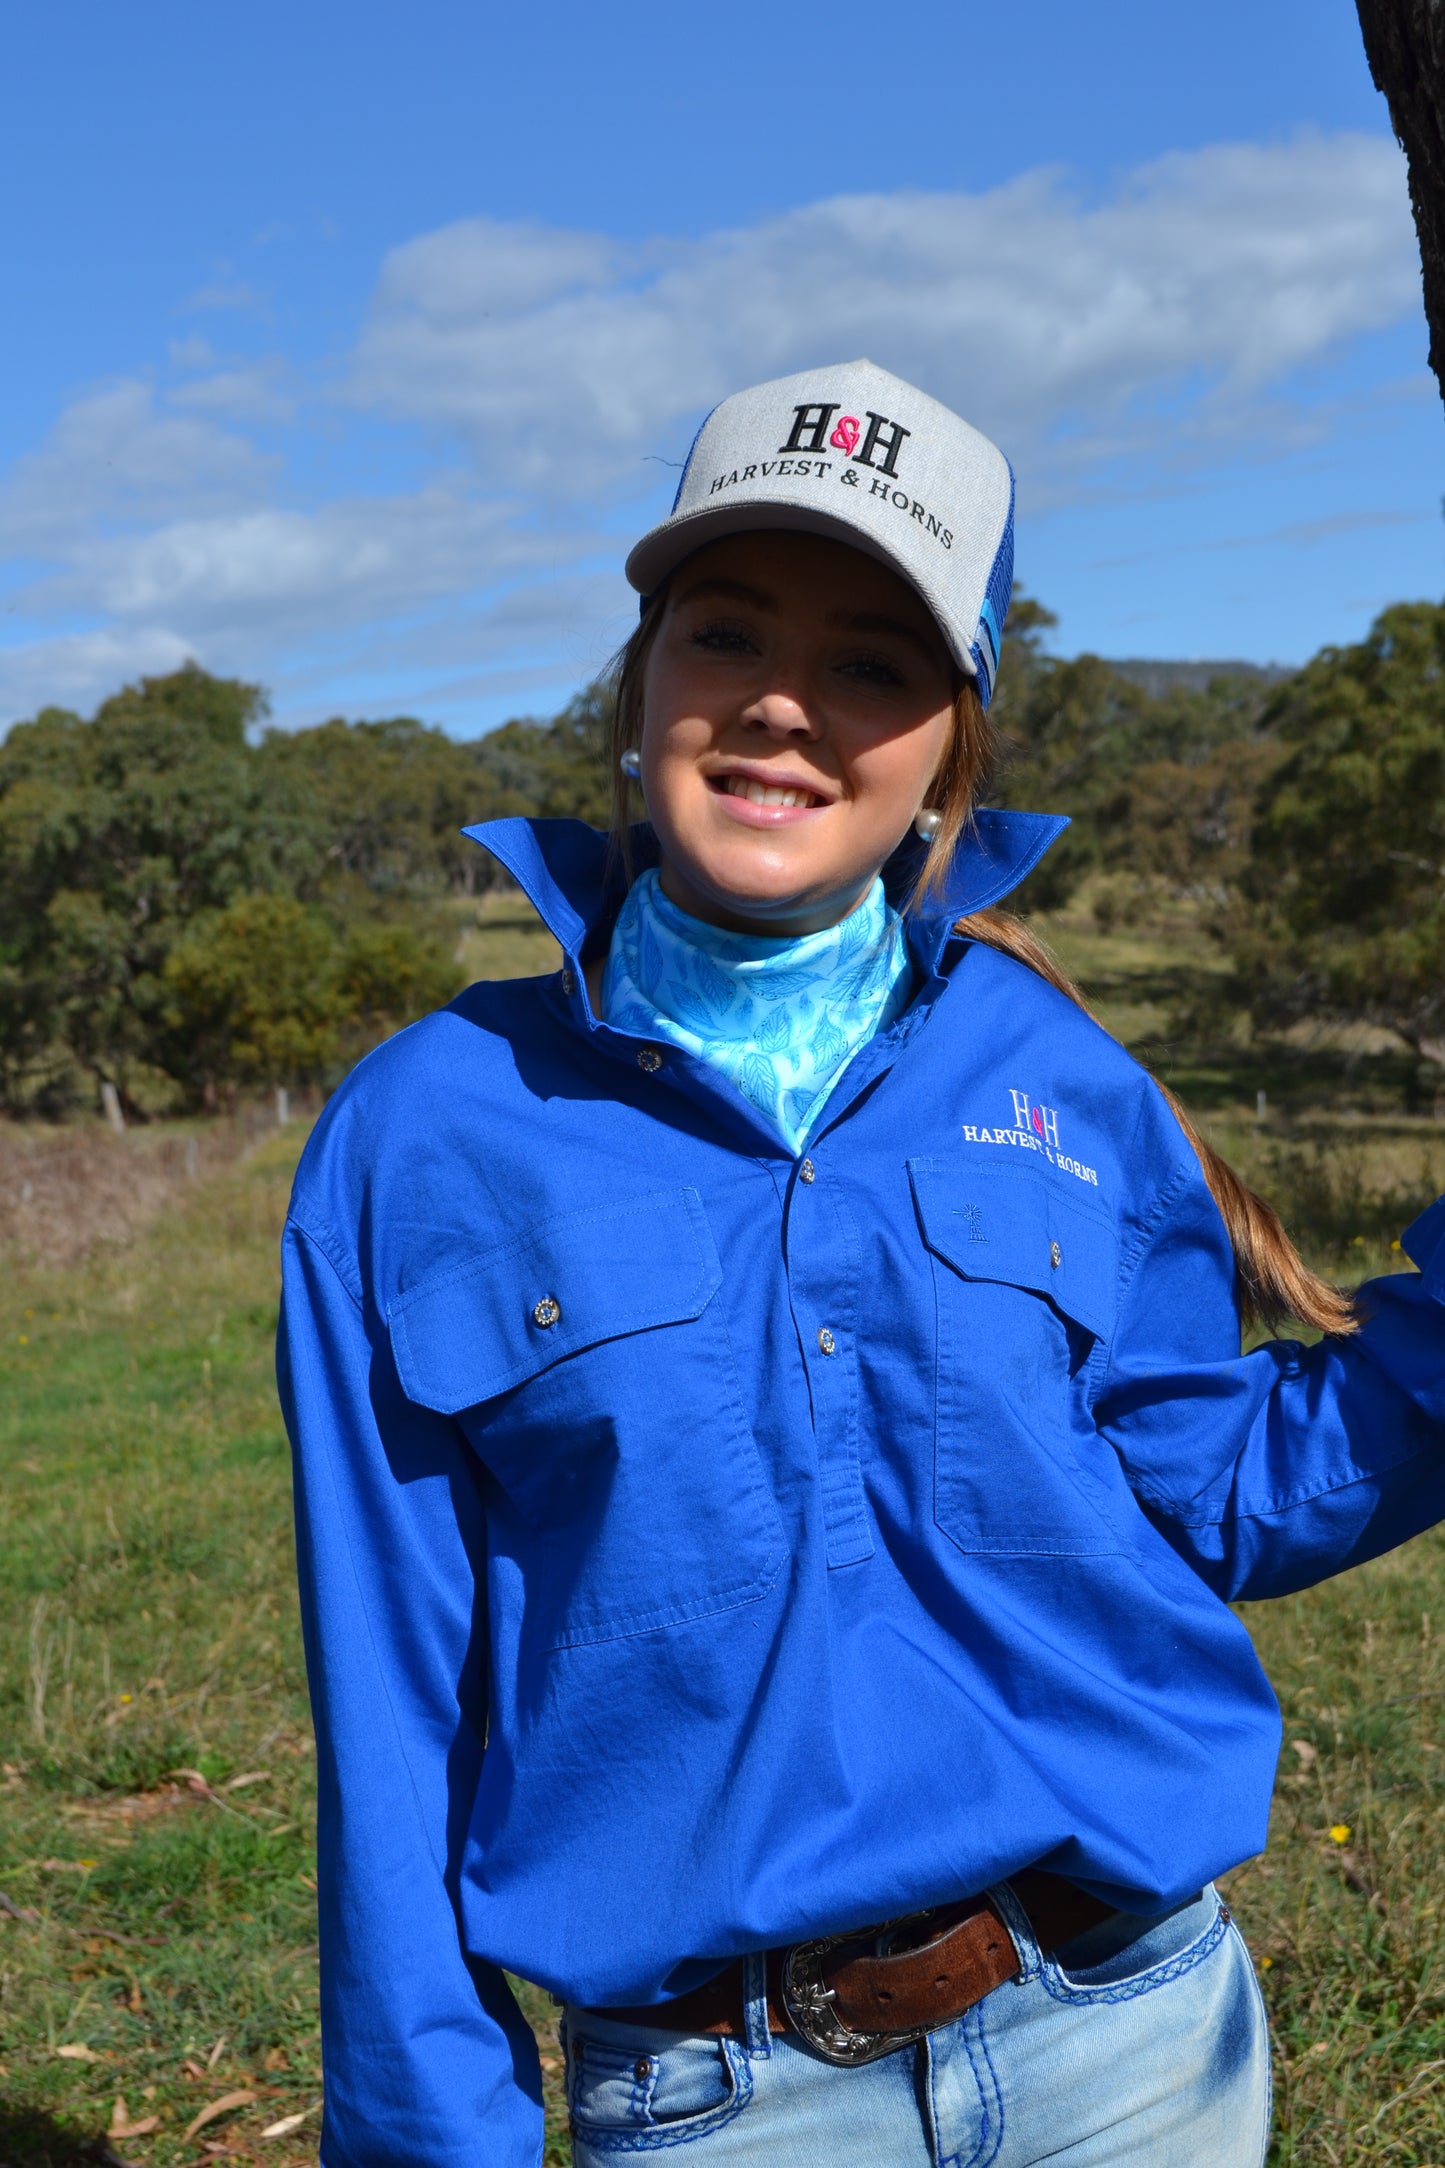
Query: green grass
pixel 501 937
pixel 156 1763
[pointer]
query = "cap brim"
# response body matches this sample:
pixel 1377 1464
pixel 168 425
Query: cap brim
pixel 660 552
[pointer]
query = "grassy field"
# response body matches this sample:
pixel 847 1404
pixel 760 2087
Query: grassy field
pixel 157 1936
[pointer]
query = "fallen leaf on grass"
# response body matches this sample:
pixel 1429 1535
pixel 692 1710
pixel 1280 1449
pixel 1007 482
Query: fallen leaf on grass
pixel 223 2106
pixel 78 2052
pixel 215 2055
pixel 196 1783
pixel 18 1912
pixel 121 2125
pixel 250 1776
pixel 288 2123
pixel 1354 1871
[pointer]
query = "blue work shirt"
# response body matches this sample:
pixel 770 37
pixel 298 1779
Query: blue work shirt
pixel 703 1548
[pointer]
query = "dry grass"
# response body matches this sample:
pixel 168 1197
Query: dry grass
pixel 65 1192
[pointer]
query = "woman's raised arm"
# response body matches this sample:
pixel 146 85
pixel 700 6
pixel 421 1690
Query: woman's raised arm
pixel 1272 1470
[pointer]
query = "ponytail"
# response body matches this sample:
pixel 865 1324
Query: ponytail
pixel 1273 1282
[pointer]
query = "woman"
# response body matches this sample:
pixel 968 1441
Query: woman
pixel 773 1449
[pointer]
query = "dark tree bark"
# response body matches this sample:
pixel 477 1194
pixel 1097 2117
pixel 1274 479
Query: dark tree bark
pixel 1405 46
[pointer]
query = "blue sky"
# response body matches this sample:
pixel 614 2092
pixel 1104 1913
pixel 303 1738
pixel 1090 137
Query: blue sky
pixel 349 346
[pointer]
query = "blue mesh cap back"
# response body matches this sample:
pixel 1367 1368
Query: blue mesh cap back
pixel 993 614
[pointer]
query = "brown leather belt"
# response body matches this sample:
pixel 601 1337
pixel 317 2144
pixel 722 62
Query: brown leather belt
pixel 858 1996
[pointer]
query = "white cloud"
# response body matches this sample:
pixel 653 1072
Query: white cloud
pixel 257 391
pixel 75 669
pixel 562 358
pixel 279 571
pixel 117 456
pixel 521 381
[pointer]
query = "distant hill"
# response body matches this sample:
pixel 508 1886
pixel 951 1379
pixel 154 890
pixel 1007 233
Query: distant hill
pixel 1157 678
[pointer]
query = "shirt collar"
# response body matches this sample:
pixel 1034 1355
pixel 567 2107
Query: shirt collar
pixel 574 880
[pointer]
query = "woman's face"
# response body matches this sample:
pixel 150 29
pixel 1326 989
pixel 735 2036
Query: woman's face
pixel 797 703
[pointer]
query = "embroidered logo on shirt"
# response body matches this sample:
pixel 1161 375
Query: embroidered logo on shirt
pixel 1035 1129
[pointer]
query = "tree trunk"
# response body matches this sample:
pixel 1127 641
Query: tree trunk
pixel 1405 46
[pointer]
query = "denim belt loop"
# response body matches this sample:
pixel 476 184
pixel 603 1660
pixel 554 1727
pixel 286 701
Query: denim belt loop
pixel 1016 1920
pixel 755 2003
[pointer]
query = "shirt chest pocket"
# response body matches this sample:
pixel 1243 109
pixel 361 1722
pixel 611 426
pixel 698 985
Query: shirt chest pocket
pixel 589 1362
pixel 1024 1278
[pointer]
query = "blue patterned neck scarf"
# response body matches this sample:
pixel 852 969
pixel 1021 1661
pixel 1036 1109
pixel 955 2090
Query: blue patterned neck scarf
pixel 781 1018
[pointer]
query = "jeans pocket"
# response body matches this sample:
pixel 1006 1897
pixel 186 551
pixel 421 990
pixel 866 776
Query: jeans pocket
pixel 630 2088
pixel 1132 1956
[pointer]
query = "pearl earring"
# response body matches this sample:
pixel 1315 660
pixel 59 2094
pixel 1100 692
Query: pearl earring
pixel 631 763
pixel 926 824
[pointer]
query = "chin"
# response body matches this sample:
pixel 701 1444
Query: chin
pixel 750 886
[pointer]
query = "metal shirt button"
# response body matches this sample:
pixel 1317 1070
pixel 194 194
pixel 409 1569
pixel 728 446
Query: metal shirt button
pixel 649 1060
pixel 547 1311
pixel 807 1171
pixel 826 1341
pixel 569 984
pixel 1056 1255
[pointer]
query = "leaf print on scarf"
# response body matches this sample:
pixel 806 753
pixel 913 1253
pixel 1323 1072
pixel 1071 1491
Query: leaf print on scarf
pixel 631 1015
pixel 775 1032
pixel 854 931
pixel 829 1048
pixel 757 1080
pixel 717 989
pixel 799 1106
pixel 649 956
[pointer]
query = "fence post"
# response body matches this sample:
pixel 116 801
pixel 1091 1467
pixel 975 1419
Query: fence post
pixel 110 1101
pixel 283 1106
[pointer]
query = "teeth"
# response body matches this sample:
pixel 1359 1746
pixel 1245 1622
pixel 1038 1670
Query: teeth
pixel 744 786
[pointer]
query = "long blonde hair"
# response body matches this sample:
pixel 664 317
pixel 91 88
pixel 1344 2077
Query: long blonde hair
pixel 1273 1282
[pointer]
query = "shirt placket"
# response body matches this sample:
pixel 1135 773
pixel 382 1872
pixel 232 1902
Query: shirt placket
pixel 824 1265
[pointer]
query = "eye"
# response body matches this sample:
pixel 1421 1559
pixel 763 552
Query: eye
pixel 871 668
pixel 719 637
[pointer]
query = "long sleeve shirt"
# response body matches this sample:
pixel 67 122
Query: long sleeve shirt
pixel 704 1547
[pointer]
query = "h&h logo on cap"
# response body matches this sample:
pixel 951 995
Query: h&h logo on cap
pixel 810 420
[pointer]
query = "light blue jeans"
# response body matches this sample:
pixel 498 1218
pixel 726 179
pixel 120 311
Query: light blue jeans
pixel 1141 2045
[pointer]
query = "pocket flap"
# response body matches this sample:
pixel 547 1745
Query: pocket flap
pixel 485 1325
pixel 1012 1220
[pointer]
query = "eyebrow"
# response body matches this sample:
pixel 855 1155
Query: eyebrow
pixel 850 620
pixel 865 621
pixel 734 590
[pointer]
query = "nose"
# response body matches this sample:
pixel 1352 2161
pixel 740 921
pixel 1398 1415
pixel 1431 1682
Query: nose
pixel 781 714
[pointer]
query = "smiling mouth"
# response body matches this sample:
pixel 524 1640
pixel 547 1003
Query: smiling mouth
pixel 746 786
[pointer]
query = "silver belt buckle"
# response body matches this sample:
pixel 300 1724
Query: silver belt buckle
pixel 810 2004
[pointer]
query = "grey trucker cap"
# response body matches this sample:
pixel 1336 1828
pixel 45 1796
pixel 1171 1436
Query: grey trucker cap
pixel 855 453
